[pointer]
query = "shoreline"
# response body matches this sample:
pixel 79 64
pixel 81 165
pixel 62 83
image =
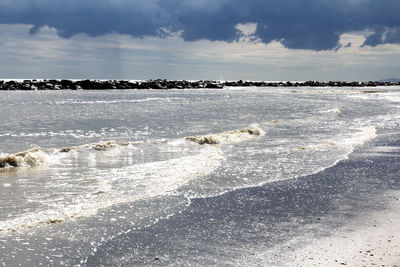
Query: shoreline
pixel 369 236
pixel 64 84
pixel 323 219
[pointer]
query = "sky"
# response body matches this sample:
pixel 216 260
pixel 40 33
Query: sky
pixel 200 39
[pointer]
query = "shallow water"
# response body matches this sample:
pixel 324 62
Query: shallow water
pixel 62 205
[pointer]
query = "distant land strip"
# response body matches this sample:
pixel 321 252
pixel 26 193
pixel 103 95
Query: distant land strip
pixel 170 84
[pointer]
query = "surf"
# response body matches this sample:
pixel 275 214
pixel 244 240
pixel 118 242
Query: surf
pixel 105 173
pixel 30 157
pixel 229 137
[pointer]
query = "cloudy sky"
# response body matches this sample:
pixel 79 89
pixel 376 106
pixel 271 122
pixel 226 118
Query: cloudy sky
pixel 200 39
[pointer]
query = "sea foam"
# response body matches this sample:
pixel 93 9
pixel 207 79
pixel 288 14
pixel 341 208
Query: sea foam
pixel 30 157
pixel 126 183
pixel 229 136
pixel 123 185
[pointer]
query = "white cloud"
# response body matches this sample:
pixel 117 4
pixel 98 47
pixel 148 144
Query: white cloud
pixel 247 29
pixel 113 56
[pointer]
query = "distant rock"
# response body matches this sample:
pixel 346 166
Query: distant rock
pixel 174 84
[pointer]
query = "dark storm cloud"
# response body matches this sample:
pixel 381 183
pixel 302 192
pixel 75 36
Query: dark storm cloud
pixel 297 24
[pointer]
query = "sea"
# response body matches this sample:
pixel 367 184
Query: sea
pixel 197 177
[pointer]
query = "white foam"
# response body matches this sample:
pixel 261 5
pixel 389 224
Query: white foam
pixel 103 145
pixel 113 101
pixel 349 141
pixel 124 185
pixel 102 186
pixel 30 157
pixel 337 111
pixel 365 134
pixel 229 136
pixel 102 180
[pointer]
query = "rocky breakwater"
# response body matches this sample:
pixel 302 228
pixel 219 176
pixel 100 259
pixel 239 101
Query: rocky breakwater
pixel 169 84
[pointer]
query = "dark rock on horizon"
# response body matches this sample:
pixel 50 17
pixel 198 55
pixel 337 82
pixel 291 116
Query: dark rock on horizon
pixel 172 84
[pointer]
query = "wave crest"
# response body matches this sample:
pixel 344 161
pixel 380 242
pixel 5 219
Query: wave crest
pixel 30 157
pixel 36 156
pixel 229 136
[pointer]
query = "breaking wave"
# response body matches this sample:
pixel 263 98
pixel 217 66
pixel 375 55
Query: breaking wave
pixel 99 175
pixel 30 157
pixel 100 146
pixel 136 182
pixel 229 136
pixel 36 156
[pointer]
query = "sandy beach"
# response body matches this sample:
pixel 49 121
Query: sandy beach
pixel 371 240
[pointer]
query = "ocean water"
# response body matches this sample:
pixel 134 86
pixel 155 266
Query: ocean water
pixel 186 177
